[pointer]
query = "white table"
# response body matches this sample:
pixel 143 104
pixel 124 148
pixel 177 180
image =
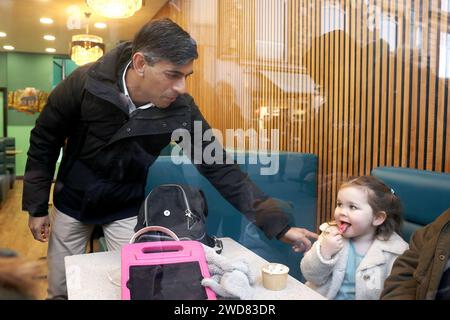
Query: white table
pixel 96 276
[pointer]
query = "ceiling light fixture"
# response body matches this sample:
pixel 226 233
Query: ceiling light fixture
pixel 8 47
pixel 86 47
pixel 100 25
pixel 2 34
pixel 45 20
pixel 115 9
pixel 49 37
pixel 51 50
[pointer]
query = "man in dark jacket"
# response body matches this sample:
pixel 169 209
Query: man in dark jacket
pixel 113 118
pixel 423 271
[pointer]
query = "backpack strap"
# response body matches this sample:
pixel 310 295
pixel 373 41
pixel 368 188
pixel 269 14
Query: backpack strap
pixel 154 228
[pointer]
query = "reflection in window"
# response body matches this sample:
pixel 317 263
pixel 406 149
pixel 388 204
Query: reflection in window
pixel 445 5
pixel 270 29
pixel 444 55
pixel 419 37
pixel 198 9
pixel 416 32
pixel 388 31
pixel 332 18
pixel 291 82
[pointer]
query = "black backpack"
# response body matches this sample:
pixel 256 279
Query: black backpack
pixel 179 208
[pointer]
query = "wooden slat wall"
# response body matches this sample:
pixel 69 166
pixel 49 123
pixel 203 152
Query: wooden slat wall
pixel 374 102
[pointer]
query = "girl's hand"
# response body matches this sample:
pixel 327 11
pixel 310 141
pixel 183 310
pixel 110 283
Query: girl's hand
pixel 331 243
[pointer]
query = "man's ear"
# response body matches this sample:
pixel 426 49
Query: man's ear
pixel 139 63
pixel 379 218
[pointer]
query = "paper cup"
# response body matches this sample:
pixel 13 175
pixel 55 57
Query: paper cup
pixel 274 276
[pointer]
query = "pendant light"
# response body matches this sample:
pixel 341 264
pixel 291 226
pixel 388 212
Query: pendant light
pixel 115 9
pixel 86 47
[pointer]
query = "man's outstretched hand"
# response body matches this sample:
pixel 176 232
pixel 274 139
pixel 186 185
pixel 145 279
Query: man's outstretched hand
pixel 299 238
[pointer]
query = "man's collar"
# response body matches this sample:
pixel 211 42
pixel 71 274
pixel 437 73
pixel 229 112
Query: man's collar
pixel 125 92
pixel 124 84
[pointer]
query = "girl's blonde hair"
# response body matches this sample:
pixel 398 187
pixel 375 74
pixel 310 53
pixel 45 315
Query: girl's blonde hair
pixel 380 198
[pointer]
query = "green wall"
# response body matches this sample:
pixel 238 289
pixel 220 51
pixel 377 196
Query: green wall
pixel 58 65
pixel 3 69
pixel 26 70
pixel 2 84
pixel 30 70
pixel 21 70
pixel 1 114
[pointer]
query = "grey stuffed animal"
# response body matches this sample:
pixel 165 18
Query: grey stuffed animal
pixel 229 278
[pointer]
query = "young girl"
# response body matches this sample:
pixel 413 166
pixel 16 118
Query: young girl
pixel 355 253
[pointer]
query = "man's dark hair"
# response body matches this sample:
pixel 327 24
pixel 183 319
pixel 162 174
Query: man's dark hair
pixel 165 40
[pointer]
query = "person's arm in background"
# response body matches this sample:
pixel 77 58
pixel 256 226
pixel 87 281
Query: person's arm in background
pixel 400 284
pixel 235 186
pixel 55 123
pixel 19 277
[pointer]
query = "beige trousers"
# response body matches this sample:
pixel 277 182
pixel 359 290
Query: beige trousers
pixel 69 236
